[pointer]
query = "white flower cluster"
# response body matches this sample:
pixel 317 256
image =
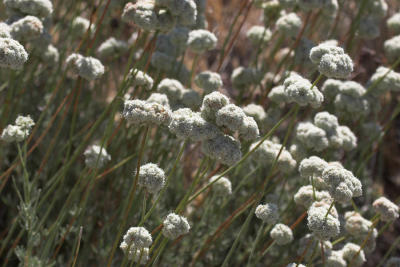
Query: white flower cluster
pixel 140 78
pixel 305 196
pixel 26 29
pixel 89 68
pixel 161 99
pixel 331 61
pixel 243 78
pixel 223 148
pixel 392 48
pixel 208 81
pixel 39 8
pixel 359 228
pixel 393 23
pixel 112 47
pixel 96 156
pixel 388 210
pixel 178 96
pixel 144 112
pixel 18 132
pixel 282 234
pixel 222 186
pixel 13 54
pixel 386 80
pixel 324 225
pixel 264 119
pixel 5 30
pixel 174 226
pixel 200 41
pixel 268 213
pixel 289 24
pixel 259 35
pixel 151 177
pixel 136 243
pixel 80 26
pixel 353 253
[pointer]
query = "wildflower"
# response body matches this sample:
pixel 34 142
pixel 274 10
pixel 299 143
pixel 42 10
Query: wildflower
pixel 26 29
pixel 249 129
pixel 331 88
pixel 184 10
pixel 342 185
pixel 89 68
pixel 5 30
pixel 223 148
pixel 50 55
pixel 259 35
pixel 312 166
pixel 39 8
pixel 112 47
pixel 289 24
pixel 351 253
pixel 268 213
pixel 295 265
pixel 326 121
pixel 388 210
pixel 331 61
pixel 299 90
pixel 18 132
pixel 188 124
pixel 243 77
pixel 311 136
pixel 174 226
pixel 172 88
pixel 80 26
pixel 151 177
pixel 347 137
pixel 161 99
pixel 208 81
pixel 200 41
pixel 305 196
pixel 335 259
pixel 139 78
pixel 324 226
pixel 392 48
pixel 212 103
pixel 230 116
pixel 393 23
pixel 390 82
pixel 96 156
pixel 142 112
pixel 356 225
pixel 135 253
pixel 223 186
pixel 278 94
pixel 191 99
pixel 258 113
pixel 281 234
pixel 138 237
pixel 351 99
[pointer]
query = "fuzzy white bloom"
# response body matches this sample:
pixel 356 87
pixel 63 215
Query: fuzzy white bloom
pixel 326 121
pixel 323 225
pixel 331 88
pixel 208 81
pixel 223 148
pixel 342 184
pixel 352 101
pixel 142 112
pixel 352 88
pixel 135 254
pixel 50 55
pixel 278 94
pixel 282 234
pixel 191 99
pixel 259 35
pixel 231 117
pixel 89 68
pixel 39 8
pixel 386 80
pixel 5 30
pixel 332 61
pixel 305 196
pixel 289 24
pixel 388 210
pixel 311 136
pixel 222 186
pixel 174 226
pixel 184 10
pixel 26 29
pixel 268 151
pixel 188 124
pixel 393 262
pixel 172 88
pixel 349 251
pixel 312 166
pixel 264 120
pixel 80 26
pixel 356 225
pixel 348 139
pixel 24 122
pixel 96 156
pixel 268 213
pixel 138 237
pixel 161 99
pixel 112 47
pixel 244 77
pixel 335 259
pixel 140 78
pixel 151 177
pixel 295 265
pixel 200 41
pixel 392 48
pixel 393 23
pixel 212 103
pixel 13 133
pixel 249 129
pixel 309 241
pixel 299 90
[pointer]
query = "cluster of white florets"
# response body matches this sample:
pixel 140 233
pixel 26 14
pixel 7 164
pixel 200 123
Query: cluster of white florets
pixel 208 81
pixel 140 78
pixel 386 80
pixel 264 119
pixel 178 95
pixel 223 148
pixel 281 234
pixel 174 226
pixel 13 54
pixel 387 210
pixel 392 48
pixel 39 8
pixel 200 41
pixel 222 186
pixel 161 99
pixel 324 225
pixel 151 177
pixel 268 213
pixel 360 229
pixel 259 35
pixel 26 29
pixel 243 78
pixel 289 24
pixel 352 253
pixel 89 68
pixel 19 131
pixel 306 195
pixel 112 47
pixel 80 26
pixel 144 112
pixel 136 243
pixel 393 23
pixel 96 156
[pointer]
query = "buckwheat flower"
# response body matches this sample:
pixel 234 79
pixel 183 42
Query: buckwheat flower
pixel 311 136
pixel 268 213
pixel 186 10
pixel 138 237
pixel 263 119
pixel 259 35
pixel 151 177
pixel 135 253
pixel 278 94
pixel 305 196
pixel 143 14
pixel 112 47
pixel 141 112
pixel 352 88
pixel 89 68
pixel 349 251
pixel 24 122
pixel 385 80
pixel 231 117
pixel 298 151
pixel 393 262
pixel 331 88
pixel 39 8
pixel 200 41
pixel 223 148
pixel 356 225
pixel 349 140
pixel 80 26
pixel 312 167
pixel 174 226
pixel 161 99
pixel 309 241
pixel 244 77
pixel 388 210
pixel 26 29
pixel 299 90
pixel 392 48
pixel 249 129
pixel 191 99
pixel 5 30
pixel 393 23
pixel 281 234
pixel 50 55
pixel 96 156
pixel 335 259
pixel 13 133
pixel 222 187
pixel 208 81
pixel 369 28
pixel 139 78
pixel 326 121
pixel 295 265
pixel 322 225
pixel 212 103
pixel 289 24
pixel 172 88
pixel 342 184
